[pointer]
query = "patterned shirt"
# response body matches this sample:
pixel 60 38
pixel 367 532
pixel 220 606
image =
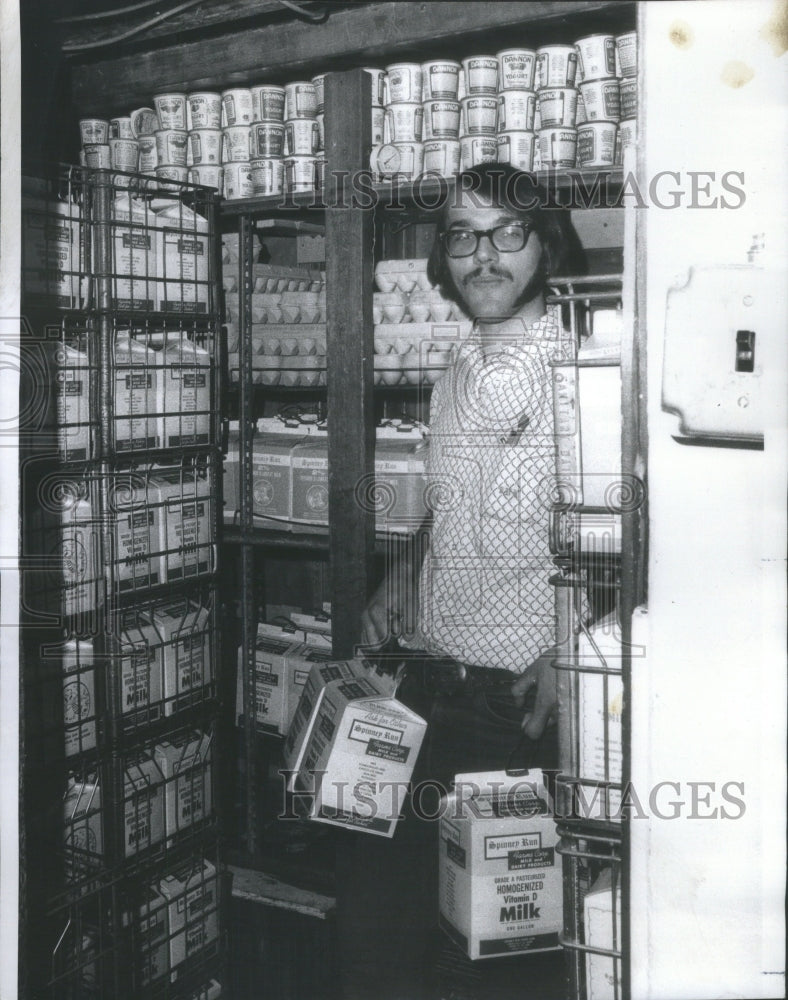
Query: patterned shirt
pixel 484 595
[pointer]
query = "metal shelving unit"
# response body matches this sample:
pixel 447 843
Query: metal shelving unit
pixel 122 480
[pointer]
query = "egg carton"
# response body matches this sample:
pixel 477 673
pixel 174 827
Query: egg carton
pixel 289 340
pixel 411 367
pixel 281 307
pixel 276 278
pixel 402 275
pixel 400 338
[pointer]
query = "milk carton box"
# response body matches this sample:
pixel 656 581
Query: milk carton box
pixel 79 696
pixel 272 486
pixel 191 891
pixel 143 803
pixel 72 403
pixel 77 550
pixel 184 392
pixel 151 919
pixel 270 681
pixel 231 492
pixel 184 503
pixel 133 255
pixel 140 670
pixel 310 481
pixel 359 755
pixel 136 395
pixel 600 704
pixel 602 926
pixel 83 827
pixel 500 884
pixel 52 248
pixel 185 764
pixel 399 477
pixel 136 520
pixel 187 661
pixel 181 260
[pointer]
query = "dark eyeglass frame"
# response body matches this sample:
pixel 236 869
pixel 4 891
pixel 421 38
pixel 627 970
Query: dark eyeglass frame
pixel 526 227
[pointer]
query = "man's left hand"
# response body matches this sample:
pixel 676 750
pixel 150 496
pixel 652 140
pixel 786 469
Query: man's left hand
pixel 544 676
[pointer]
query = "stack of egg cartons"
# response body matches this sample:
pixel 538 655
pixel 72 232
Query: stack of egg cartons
pixel 416 329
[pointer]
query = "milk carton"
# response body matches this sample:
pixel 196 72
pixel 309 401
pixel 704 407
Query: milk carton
pixel 185 764
pixel 143 803
pixel 52 248
pixel 187 662
pixel 310 481
pixel 272 486
pixel 359 754
pixel 83 826
pixel 140 669
pixel 151 935
pixel 399 477
pixel 79 697
pixel 77 551
pixel 133 255
pixel 136 520
pixel 72 381
pixel 500 884
pixel 136 396
pixel 191 892
pixel 600 704
pixel 182 260
pixel 231 492
pixel 602 926
pixel 185 392
pixel 184 503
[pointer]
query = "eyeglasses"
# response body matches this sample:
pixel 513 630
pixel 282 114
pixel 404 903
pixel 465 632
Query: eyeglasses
pixel 507 238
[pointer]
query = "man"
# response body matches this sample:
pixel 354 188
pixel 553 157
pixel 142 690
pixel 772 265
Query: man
pixel 483 606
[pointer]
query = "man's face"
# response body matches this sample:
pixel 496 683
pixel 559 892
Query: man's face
pixel 491 283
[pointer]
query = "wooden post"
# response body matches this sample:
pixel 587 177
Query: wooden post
pixel 349 275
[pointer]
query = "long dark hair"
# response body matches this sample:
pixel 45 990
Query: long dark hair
pixel 521 193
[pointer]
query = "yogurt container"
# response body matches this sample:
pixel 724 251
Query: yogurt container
pixel 403 83
pixel 602 100
pixel 628 91
pixel 596 144
pixel 172 173
pixel 236 106
pixel 516 110
pixel 558 107
pixel 378 117
pixel 94 131
pixel 517 148
pixel 302 136
pixel 144 121
pixel 268 103
pixel 237 180
pixel 204 110
pixel 206 146
pixel 299 173
pixel 627 51
pixel 478 149
pixel 441 119
pixel 581 117
pixel 171 111
pixel 627 136
pixel 557 147
pixel 149 158
pixel 516 69
pixel 377 83
pixel 208 175
pixel 319 83
pixel 124 154
pixel 481 75
pixel 441 156
pixel 300 100
pixel 268 176
pixel 556 66
pixel 403 123
pixel 171 147
pixel 268 140
pixel 120 128
pixel 236 144
pixel 480 115
pixel 596 57
pixel 440 80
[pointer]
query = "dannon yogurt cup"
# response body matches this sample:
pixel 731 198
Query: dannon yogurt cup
pixel 478 149
pixel 556 66
pixel 516 148
pixel 596 57
pixel 299 173
pixel 124 154
pixel 172 173
pixel 558 107
pixel 236 106
pixel 171 111
pixel 93 131
pixel 403 123
pixel 627 134
pixel 208 175
pixel 516 110
pixel 441 119
pixel 596 144
pixel 237 180
pixel 236 145
pixel 206 146
pixel 120 128
pixel 602 100
pixel 268 176
pixel 319 83
pixel 440 80
pixel 480 115
pixel 300 100
pixel 516 69
pixel 481 75
pixel 403 83
pixel 628 90
pixel 302 136
pixel 268 103
pixel 204 110
pixel 557 147
pixel 149 158
pixel 144 121
pixel 268 140
pixel 442 156
pixel 627 49
pixel 378 116
pixel 171 147
pixel 377 84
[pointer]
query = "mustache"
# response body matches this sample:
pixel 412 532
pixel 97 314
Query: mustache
pixel 492 271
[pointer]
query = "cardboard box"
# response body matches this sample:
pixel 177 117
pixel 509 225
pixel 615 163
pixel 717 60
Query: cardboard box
pixel 181 260
pixel 152 936
pixel 185 392
pixel 359 752
pixel 187 662
pixel 185 764
pixel 141 665
pixel 79 697
pixel 310 481
pixel 183 502
pixel 603 972
pixel 137 532
pixel 501 890
pixel 136 396
pixel 272 473
pixel 191 891
pixel 72 404
pixel 76 550
pixel 143 803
